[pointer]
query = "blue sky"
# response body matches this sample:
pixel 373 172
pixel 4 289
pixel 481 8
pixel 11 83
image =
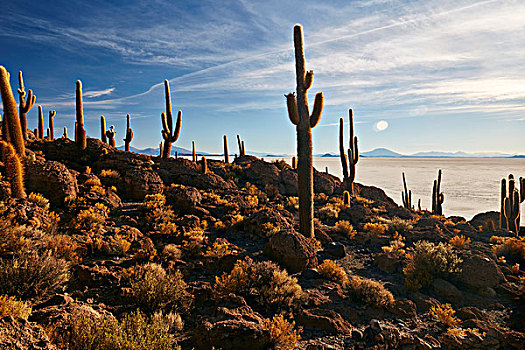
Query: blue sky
pixel 445 75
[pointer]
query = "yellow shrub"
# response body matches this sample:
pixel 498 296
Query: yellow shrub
pixel 444 314
pixel 375 229
pixel 89 219
pixel 219 249
pixel 332 271
pixel 396 247
pixel 10 306
pixel 39 200
pixel 110 173
pixel 292 202
pixel 283 336
pixel 464 332
pixel 328 212
pixel 369 292
pixel 459 241
pixel 512 248
pixel 92 181
pixel 344 227
pixel 153 201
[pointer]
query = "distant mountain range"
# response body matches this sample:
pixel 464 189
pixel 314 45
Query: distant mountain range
pixel 376 153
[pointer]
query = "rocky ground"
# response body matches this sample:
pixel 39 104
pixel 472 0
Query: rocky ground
pixel 127 251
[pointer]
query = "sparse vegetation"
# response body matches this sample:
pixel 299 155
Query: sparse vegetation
pixel 332 271
pixel 10 306
pixel 368 292
pixel 445 315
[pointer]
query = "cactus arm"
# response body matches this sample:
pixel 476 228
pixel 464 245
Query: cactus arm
pixel 176 133
pixel 11 120
pixel 167 94
pixel 293 112
pixel 317 110
pixel 165 128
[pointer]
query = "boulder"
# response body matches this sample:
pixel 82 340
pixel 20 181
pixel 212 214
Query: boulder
pixel 259 220
pixel 446 290
pixel 324 319
pixel 51 179
pixel 183 197
pixel 478 272
pixel 19 334
pixel 292 250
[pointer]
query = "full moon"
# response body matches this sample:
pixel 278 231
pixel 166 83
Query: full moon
pixel 381 125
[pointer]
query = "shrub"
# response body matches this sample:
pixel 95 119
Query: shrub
pixel 90 219
pixel 109 173
pixel 33 275
pixel 328 212
pixel 153 289
pixel 332 271
pixel 396 247
pixel 369 292
pixel 172 321
pixel 219 249
pixel 261 283
pixel 39 200
pixel 459 241
pixel 133 332
pixel 444 314
pixel 512 248
pixel 375 229
pixel 283 336
pixel 399 225
pixel 10 306
pixel 344 228
pixel 488 226
pixel 427 260
pixel 152 201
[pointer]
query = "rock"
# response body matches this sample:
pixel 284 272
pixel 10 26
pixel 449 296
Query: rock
pixel 183 197
pixel 336 250
pixel 325 183
pixel 403 308
pixel 387 263
pixel 292 250
pixel 481 218
pixel 259 221
pixel 478 272
pixel 327 320
pixel 357 335
pixel 288 182
pixel 19 334
pixel 311 274
pixel 446 290
pixel 52 179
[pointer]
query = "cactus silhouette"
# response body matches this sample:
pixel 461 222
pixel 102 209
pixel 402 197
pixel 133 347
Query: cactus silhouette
pixel 299 115
pixel 103 137
pixel 25 104
pixel 406 196
pixel 346 198
pixel 240 143
pixel 111 136
pixel 64 135
pixel 226 155
pixel 348 162
pixel 40 123
pixel 204 165
pixel 193 155
pixel 13 169
pixel 169 134
pixel 13 130
pixel 80 132
pixel 160 149
pixel 52 125
pixel 437 197
pixel 129 133
pixel 510 204
pixel 294 163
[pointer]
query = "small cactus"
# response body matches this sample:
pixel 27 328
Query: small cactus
pixel 13 168
pixel 294 163
pixel 64 135
pixel 304 121
pixel 346 198
pixel 40 123
pixel 169 134
pixel 12 127
pixel 25 104
pixel 52 125
pixel 348 162
pixel 204 165
pixel 103 137
pixel 226 155
pixel 129 133
pixel 111 135
pixel 80 132
pixel 406 196
pixel 437 197
pixel 193 155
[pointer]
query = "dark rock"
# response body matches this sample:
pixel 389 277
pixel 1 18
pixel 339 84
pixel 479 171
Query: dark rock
pixel 257 222
pixel 357 335
pixel 336 250
pixel 387 263
pixel 18 334
pixel 183 197
pixel 446 290
pixel 310 274
pixel 481 218
pixel 51 179
pixel 478 272
pixel 327 320
pixel 292 250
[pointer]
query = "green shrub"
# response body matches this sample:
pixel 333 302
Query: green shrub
pixel 153 289
pixel 428 260
pixel 263 284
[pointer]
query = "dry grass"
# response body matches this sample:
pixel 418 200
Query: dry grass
pixel 445 315
pixel 10 306
pixel 333 271
pixel 283 336
pixel 369 292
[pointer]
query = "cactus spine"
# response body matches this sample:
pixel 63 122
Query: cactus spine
pixel 406 196
pixel 240 143
pixel 226 155
pixel 25 104
pixel 129 133
pixel 437 197
pixel 52 125
pixel 111 136
pixel 40 123
pixel 80 132
pixel 12 126
pixel 204 165
pixel 14 170
pixel 169 134
pixel 103 137
pixel 300 116
pixel 348 162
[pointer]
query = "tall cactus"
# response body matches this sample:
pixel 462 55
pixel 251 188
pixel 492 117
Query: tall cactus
pixel 510 204
pixel 240 143
pixel 348 162
pixel 25 104
pixel 406 196
pixel 13 168
pixel 111 136
pixel 80 132
pixel 103 137
pixel 129 133
pixel 12 126
pixel 52 114
pixel 169 134
pixel 437 197
pixel 300 116
pixel 226 155
pixel 64 135
pixel 40 123
pixel 193 155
